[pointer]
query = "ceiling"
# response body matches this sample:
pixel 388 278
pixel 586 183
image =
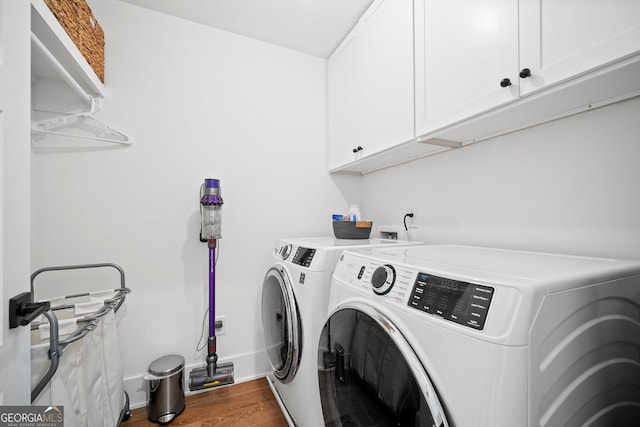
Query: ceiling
pixel 315 27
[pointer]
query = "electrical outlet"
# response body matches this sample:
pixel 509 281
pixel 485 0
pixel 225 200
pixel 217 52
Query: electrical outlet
pixel 221 325
pixel 412 222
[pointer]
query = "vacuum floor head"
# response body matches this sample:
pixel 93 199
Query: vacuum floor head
pixel 199 378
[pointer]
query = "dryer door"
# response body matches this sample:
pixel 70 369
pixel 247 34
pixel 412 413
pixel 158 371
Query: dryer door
pixel 370 376
pixel 281 322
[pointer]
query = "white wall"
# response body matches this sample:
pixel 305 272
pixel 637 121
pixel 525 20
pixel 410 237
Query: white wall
pixel 569 186
pixel 199 103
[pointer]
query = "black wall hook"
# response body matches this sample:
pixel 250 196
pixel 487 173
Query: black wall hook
pixel 23 311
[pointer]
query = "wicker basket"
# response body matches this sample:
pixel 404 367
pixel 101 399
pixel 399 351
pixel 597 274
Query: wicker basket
pixel 78 21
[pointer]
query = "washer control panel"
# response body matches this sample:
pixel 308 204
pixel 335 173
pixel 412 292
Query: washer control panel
pixel 461 302
pixel 458 301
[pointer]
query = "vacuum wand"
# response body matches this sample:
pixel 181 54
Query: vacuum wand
pixel 212 356
pixel 214 374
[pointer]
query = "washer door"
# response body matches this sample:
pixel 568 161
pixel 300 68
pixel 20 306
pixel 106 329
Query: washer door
pixel 281 322
pixel 370 375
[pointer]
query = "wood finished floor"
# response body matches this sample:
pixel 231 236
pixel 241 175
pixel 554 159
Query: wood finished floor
pixel 246 404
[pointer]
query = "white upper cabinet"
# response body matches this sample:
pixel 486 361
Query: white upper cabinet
pixel 418 77
pixel 386 35
pixel 371 89
pixel 344 101
pixel 463 51
pixel 474 57
pixel 561 39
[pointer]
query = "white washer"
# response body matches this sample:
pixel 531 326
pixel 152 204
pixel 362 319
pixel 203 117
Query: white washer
pixel 294 306
pixel 461 336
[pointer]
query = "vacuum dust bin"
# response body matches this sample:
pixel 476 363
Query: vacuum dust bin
pixel 166 388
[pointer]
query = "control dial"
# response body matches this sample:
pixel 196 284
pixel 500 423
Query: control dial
pixel 383 279
pixel 285 251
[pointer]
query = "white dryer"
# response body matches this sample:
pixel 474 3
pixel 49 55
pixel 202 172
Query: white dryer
pixel 461 336
pixel 295 296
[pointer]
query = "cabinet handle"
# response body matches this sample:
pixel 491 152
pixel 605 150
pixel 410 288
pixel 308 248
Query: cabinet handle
pixel 505 83
pixel 358 148
pixel 524 73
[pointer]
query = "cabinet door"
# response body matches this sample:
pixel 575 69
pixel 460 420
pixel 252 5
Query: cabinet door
pixel 463 51
pixel 386 42
pixel 344 102
pixel 562 39
pixel 371 84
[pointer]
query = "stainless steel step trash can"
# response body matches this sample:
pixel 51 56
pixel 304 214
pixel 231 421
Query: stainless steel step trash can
pixel 166 388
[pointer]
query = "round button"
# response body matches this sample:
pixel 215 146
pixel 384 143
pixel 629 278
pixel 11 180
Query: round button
pixel 383 279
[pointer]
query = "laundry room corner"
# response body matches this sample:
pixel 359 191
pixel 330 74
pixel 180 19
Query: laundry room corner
pixel 246 112
pixel 326 213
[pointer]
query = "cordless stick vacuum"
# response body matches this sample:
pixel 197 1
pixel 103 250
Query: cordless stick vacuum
pixel 214 374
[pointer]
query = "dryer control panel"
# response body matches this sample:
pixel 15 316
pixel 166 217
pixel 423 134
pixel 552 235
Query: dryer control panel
pixel 303 256
pixel 461 302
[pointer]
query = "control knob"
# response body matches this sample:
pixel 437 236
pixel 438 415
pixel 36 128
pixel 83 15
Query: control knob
pixel 383 279
pixel 285 251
